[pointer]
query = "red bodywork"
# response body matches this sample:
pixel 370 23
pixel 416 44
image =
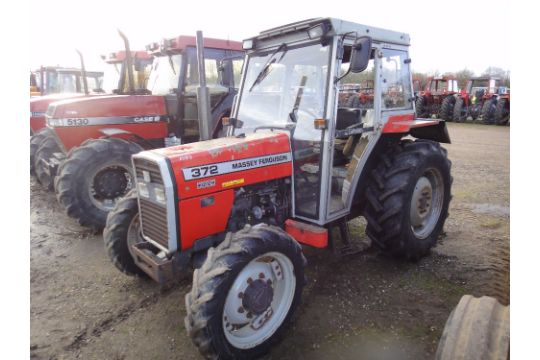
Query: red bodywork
pixel 39 105
pixel 404 123
pixel 110 112
pixel 205 210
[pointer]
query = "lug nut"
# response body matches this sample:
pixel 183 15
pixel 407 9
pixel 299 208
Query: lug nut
pixel 240 310
pixel 249 280
pixel 240 295
pixel 261 275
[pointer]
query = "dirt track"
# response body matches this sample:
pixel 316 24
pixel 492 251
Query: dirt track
pixel 365 306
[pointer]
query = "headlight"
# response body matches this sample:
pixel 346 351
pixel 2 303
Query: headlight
pixel 160 195
pixel 143 190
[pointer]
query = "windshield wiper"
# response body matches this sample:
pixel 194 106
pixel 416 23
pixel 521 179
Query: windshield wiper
pixel 266 68
pixel 299 94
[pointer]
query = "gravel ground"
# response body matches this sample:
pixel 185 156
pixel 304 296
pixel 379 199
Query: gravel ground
pixel 365 305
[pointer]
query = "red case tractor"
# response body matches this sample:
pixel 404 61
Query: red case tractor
pixel 479 100
pixel 295 164
pixel 86 156
pixel 114 80
pixel 438 98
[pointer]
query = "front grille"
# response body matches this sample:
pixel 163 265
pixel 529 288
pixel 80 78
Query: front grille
pixel 151 167
pixel 153 214
pixel 154 222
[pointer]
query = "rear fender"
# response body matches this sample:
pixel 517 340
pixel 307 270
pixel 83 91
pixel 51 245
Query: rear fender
pixel 126 135
pixel 429 129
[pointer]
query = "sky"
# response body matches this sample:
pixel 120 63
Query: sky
pixel 445 36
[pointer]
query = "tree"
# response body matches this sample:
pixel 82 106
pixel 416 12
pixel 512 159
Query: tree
pixel 462 76
pixel 504 75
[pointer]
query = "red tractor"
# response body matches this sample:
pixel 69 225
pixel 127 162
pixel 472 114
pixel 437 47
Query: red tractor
pixel 295 164
pixel 86 156
pixel 479 100
pixel 49 80
pixel 438 98
pixel 114 81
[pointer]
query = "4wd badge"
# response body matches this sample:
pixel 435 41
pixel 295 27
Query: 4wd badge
pixel 206 184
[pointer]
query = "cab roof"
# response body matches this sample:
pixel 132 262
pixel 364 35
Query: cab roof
pixel 338 26
pixel 179 43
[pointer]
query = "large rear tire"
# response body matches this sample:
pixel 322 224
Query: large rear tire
pixel 94 177
pixel 488 111
pixel 502 112
pixel 447 108
pixel 421 108
pixel 35 142
pixel 408 196
pixel 121 231
pixel 244 295
pixel 477 329
pixel 46 149
pixel 459 114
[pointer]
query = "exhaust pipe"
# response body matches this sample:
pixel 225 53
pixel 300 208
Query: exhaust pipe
pixel 203 95
pixel 83 73
pixel 129 63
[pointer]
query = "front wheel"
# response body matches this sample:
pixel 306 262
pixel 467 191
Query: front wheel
pixel 245 293
pixel 123 230
pixel 502 112
pixel 408 197
pixel 35 142
pixel 43 155
pixel 459 112
pixel 446 111
pixel 94 177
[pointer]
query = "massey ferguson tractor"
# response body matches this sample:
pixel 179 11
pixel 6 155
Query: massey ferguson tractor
pixel 86 157
pixel 480 101
pixel 294 165
pixel 438 98
pixel 115 80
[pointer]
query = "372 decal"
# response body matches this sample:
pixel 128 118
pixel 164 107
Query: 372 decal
pixel 203 171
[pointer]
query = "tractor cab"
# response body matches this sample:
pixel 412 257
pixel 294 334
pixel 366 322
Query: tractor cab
pixel 441 85
pixel 295 81
pixel 174 75
pixel 54 80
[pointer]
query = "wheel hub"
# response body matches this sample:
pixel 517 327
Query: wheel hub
pixel 258 297
pixel 110 183
pixel 421 201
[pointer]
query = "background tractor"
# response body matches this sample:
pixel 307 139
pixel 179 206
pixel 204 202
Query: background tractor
pixel 86 154
pixel 115 80
pixel 438 98
pixel 479 100
pixel 58 80
pixel 295 164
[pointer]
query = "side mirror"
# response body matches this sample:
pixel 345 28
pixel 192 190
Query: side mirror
pixel 360 54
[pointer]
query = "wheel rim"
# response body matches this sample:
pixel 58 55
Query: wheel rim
pixel 259 300
pixel 134 234
pixel 426 203
pixel 108 184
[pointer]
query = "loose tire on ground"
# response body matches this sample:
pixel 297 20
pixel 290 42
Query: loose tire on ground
pixel 121 231
pixel 105 161
pixel 209 299
pixel 447 108
pixel 502 112
pixel 477 329
pixel 35 142
pixel 421 108
pixel 458 116
pixel 408 196
pixel 48 147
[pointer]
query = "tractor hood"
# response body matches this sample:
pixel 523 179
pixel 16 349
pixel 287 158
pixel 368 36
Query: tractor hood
pixel 39 104
pixel 109 106
pixel 215 165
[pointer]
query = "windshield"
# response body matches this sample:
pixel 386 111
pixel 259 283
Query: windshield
pixel 278 82
pixel 62 83
pixel 111 76
pixel 165 74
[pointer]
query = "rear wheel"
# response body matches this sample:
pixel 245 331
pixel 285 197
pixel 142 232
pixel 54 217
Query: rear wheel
pixel 35 142
pixel 488 111
pixel 459 114
pixel 478 328
pixel 244 295
pixel 408 197
pixel 44 153
pixel 421 108
pixel 502 112
pixel 94 177
pixel 447 108
pixel 121 231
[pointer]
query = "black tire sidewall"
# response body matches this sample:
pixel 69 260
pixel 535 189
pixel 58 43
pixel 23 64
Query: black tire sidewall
pixel 416 245
pixel 215 324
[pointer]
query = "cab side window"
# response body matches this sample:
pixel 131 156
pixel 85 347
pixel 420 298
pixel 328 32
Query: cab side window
pixel 395 80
